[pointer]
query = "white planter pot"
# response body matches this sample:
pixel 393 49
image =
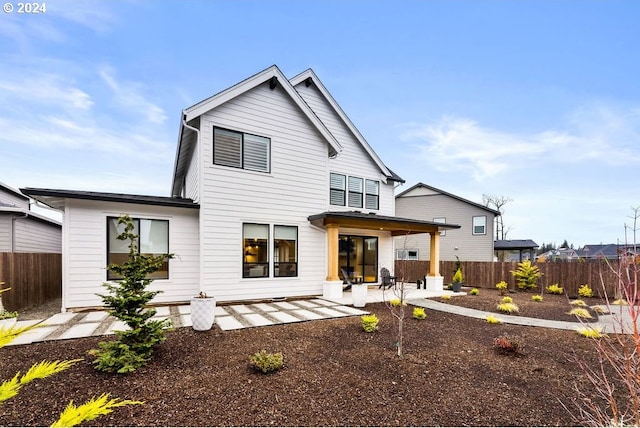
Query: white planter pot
pixel 359 295
pixel 202 312
pixel 7 323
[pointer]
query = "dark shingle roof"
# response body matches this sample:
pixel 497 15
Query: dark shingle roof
pixel 514 244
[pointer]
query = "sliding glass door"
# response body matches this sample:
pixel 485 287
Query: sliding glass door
pixel 359 257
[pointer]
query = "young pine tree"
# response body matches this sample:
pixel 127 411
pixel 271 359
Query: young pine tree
pixel 126 301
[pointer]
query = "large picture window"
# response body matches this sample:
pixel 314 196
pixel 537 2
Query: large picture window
pixel 240 150
pixel 255 241
pixel 285 251
pixel 153 239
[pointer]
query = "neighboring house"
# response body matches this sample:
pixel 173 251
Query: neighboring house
pixel 473 241
pixel 515 250
pixel 274 190
pixel 24 231
pixel 604 251
pixel 563 254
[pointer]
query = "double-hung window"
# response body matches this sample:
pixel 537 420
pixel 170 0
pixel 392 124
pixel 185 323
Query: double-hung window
pixel 355 192
pixel 337 189
pixel 241 150
pixel 153 239
pixel 372 197
pixel 285 251
pixel 480 225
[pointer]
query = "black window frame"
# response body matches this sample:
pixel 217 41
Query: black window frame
pixel 336 190
pixel 276 264
pixel 112 276
pixel 367 195
pixel 243 164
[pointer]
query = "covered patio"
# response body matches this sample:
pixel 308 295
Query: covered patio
pixel 336 222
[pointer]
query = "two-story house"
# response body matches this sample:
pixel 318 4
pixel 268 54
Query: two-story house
pixel 274 191
pixel 473 241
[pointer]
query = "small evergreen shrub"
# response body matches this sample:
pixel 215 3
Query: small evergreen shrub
pixel 580 313
pixel 266 362
pixel 446 297
pixel 508 308
pixel 578 302
pixel 493 320
pixel 555 289
pixel 507 299
pixel 502 286
pixel 369 323
pixel 585 291
pixel 526 275
pixel 619 302
pixel 509 345
pixel 474 292
pixel 591 333
pixel 536 298
pixel 419 313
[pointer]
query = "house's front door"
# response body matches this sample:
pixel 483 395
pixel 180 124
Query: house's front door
pixel 358 256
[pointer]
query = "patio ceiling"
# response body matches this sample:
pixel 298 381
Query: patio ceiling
pixel 396 225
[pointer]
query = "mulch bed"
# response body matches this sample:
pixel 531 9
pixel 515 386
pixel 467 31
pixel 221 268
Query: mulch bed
pixel 335 374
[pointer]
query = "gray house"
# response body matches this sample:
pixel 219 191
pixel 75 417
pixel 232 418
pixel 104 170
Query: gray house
pixel 24 231
pixel 473 241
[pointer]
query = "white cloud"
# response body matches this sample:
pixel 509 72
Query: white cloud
pixel 129 95
pixel 596 133
pixel 35 87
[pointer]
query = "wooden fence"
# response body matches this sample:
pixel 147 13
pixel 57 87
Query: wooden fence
pixel 34 278
pixel 569 275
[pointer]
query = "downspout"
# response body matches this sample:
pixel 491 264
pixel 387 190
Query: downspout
pixel 200 225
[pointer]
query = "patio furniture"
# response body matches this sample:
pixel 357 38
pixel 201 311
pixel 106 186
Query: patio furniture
pixel 346 279
pixel 386 280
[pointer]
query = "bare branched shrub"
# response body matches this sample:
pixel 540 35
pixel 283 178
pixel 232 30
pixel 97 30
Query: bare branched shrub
pixel 613 396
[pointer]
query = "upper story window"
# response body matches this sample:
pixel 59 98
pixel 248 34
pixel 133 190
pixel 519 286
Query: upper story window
pixel 337 189
pixel 359 193
pixel 480 225
pixel 372 199
pixel 153 239
pixel 355 192
pixel 241 150
pixel 406 254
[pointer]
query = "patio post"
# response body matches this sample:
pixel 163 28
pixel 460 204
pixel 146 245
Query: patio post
pixel 332 252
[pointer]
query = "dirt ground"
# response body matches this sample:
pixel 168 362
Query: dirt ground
pixel 335 374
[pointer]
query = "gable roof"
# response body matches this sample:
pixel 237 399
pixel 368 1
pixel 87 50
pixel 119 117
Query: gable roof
pixel 15 192
pixel 466 201
pixel 308 76
pixel 514 244
pixel 272 74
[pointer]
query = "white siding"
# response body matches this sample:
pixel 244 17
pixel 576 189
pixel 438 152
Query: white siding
pixel 354 160
pixel 295 188
pixel 5 233
pixel 429 205
pixel 32 236
pixel 85 253
pixel 192 180
pixel 9 197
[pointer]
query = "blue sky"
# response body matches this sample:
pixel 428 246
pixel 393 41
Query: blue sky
pixel 537 101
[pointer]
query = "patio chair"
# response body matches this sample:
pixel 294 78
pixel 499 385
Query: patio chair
pixel 347 280
pixel 386 280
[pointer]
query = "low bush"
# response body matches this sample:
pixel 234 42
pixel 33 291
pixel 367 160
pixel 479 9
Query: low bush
pixel 508 308
pixel 580 313
pixel 578 302
pixel 536 298
pixel 474 292
pixel 266 362
pixel 446 297
pixel 591 332
pixel 491 319
pixel 397 302
pixel 619 302
pixel 369 323
pixel 502 286
pixel 506 344
pixel 600 309
pixel 507 299
pixel 555 289
pixel 585 291
pixel 419 313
